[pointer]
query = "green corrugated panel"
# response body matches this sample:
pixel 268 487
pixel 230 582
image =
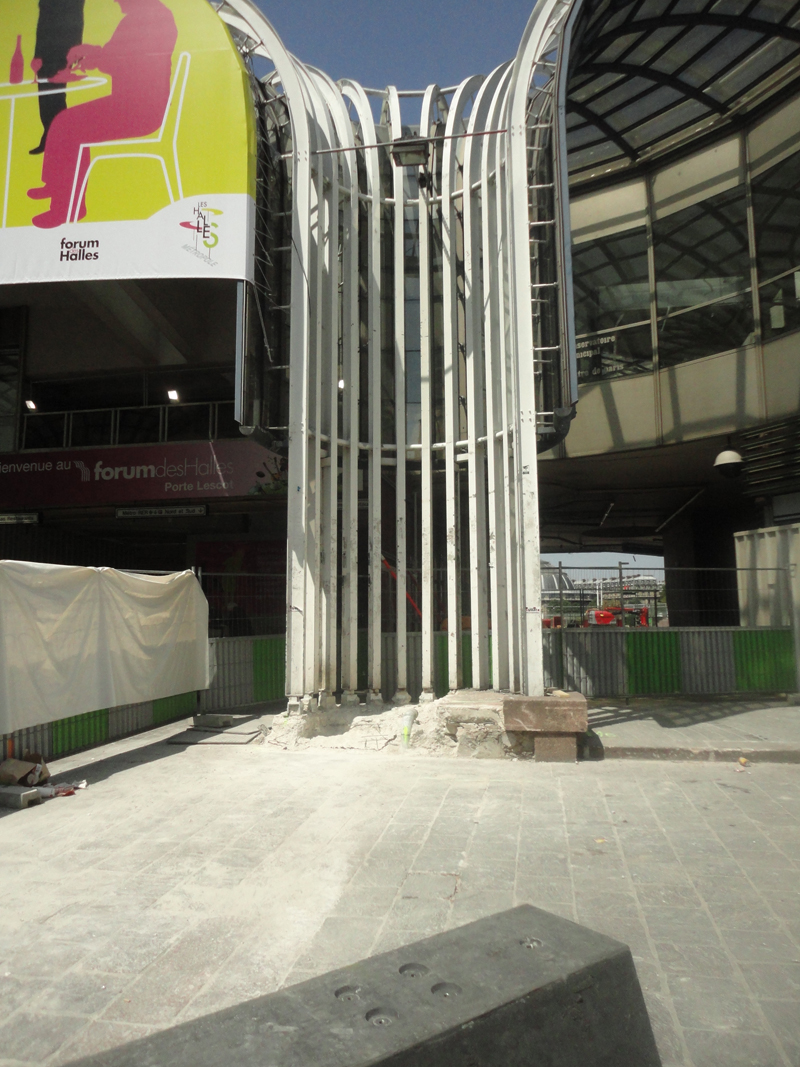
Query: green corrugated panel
pixel 466 660
pixel 167 708
pixel 269 668
pixel 440 673
pixel 79 731
pixel 653 662
pixel 764 661
pixel 441 678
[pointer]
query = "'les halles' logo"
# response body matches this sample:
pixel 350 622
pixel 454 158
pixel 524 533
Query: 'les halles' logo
pixel 203 226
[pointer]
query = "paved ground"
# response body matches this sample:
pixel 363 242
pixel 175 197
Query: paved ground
pixel 722 727
pixel 188 879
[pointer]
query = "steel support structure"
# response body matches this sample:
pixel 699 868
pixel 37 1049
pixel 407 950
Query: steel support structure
pixel 413 437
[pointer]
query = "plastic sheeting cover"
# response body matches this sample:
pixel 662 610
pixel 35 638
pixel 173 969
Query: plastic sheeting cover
pixel 76 639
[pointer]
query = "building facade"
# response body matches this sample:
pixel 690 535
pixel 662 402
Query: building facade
pixel 548 295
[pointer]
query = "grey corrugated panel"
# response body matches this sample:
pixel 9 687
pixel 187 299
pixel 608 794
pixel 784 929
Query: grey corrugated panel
pixel 552 661
pixel 128 718
pixel 707 661
pixel 232 685
pixel 595 661
pixel 414 661
pixel 31 739
pixel 388 665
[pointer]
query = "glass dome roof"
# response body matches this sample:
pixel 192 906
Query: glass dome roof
pixel 647 76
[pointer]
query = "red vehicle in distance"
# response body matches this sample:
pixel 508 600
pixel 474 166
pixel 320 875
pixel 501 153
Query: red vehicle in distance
pixel 634 616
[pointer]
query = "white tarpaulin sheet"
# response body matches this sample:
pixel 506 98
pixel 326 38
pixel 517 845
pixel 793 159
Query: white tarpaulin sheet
pixel 76 639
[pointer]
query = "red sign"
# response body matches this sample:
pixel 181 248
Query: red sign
pixel 123 474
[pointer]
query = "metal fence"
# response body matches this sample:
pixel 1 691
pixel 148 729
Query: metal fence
pixel 621 631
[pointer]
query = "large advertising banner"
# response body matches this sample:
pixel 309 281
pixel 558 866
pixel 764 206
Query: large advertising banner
pixel 173 473
pixel 127 142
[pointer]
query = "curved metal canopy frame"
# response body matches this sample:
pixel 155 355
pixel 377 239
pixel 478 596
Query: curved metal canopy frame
pixel 496 378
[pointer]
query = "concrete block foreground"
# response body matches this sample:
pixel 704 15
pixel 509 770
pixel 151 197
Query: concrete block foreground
pixel 514 989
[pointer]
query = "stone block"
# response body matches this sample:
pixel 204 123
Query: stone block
pixel 555 748
pixel 565 714
pixel 19 796
pixel 514 989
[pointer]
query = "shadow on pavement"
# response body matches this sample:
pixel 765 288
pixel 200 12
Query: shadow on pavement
pixel 676 713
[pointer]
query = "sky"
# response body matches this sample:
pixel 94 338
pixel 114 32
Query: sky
pixel 409 43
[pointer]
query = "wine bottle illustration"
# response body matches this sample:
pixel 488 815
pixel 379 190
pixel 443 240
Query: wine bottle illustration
pixel 17 68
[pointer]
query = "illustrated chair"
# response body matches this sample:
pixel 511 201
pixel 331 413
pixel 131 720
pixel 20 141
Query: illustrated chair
pixel 162 146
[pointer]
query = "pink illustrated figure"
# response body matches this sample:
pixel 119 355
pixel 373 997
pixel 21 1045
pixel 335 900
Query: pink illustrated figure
pixel 138 59
pixel 17 68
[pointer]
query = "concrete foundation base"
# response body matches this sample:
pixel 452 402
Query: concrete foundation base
pixel 554 721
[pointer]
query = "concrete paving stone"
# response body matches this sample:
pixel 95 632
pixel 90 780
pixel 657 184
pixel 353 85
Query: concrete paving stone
pixel 694 845
pixel 667 896
pixel 368 901
pixel 473 877
pixel 127 953
pixel 539 864
pixel 737 888
pixel 340 941
pixel 678 924
pixel 97 1037
pixel 607 903
pixel 160 992
pixel 747 841
pixel 661 873
pixel 750 916
pixel 407 913
pixel 750 946
pixel 436 861
pixel 33 1036
pixel 392 937
pixel 773 981
pixel 773 860
pixel 703 1003
pixel 665 1031
pixel 74 993
pixel 476 903
pixel 428 886
pixel 542 892
pixel 40 955
pixel 710 1048
pixel 784 1019
pixel 649 975
pixel 15 992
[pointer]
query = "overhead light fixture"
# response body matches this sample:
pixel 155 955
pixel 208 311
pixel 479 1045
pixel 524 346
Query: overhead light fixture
pixel 341 383
pixel 410 151
pixel 172 394
pixel 29 404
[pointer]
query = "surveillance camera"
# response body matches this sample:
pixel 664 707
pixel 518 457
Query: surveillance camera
pixel 729 463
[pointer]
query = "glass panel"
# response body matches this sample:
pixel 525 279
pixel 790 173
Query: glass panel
pixel 610 281
pixel 702 252
pixel 80 394
pixel 11 330
pixel 776 208
pixel 702 255
pixel 44 431
pixel 189 423
pixel 706 330
pixel 612 355
pixel 227 426
pixel 139 426
pixel 780 306
pixel 91 428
